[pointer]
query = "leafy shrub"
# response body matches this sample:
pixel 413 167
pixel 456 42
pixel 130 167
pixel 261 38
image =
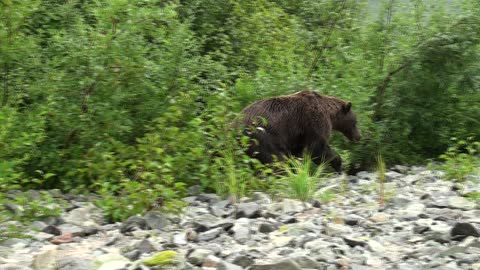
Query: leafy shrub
pixel 30 207
pixel 474 196
pixel 129 198
pixel 19 138
pixel 461 159
pixel 8 231
pixel 236 180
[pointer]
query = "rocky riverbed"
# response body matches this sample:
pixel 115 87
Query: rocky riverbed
pixel 425 223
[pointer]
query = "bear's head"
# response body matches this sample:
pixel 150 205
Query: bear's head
pixel 346 123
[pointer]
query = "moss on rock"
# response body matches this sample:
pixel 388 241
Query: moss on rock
pixel 161 258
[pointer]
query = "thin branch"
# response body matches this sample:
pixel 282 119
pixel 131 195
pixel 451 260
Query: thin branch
pixel 385 39
pixel 418 15
pixel 381 88
pixel 319 52
pixel 86 95
pixel 5 85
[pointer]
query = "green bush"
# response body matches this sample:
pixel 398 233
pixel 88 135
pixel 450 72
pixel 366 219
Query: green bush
pixel 30 206
pixel 461 159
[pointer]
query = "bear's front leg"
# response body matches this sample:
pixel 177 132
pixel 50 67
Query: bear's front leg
pixel 322 153
pixel 335 162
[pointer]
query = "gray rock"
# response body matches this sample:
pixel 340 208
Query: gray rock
pixel 41 236
pixel 85 216
pixel 111 241
pixel 53 220
pixel 179 239
pixel 15 243
pixel 241 259
pixel 241 232
pixel 10 266
pixel 460 203
pixel 74 263
pixel 408 266
pixel 90 230
pixel 380 217
pixel 228 266
pixel 38 225
pixel 375 246
pixel 401 169
pixel 391 175
pixel 334 229
pixel 211 261
pixel 248 210
pixel 132 255
pixel 207 222
pixel 289 206
pixel 352 242
pixel 300 241
pixel 353 219
pixel 462 230
pixel 73 229
pixel 46 260
pixel 197 256
pixel 420 229
pixel 452 251
pixel 261 198
pixel 366 175
pixel 318 245
pixel 208 198
pixel 306 262
pixel 133 223
pixel 299 229
pixel 281 241
pixel 411 179
pixel 287 264
pixel 156 220
pixel 222 204
pixel 220 209
pixel 210 234
pixel 52 229
pixel 145 246
pixel 286 219
pixel 111 262
pixel 191 200
pixel 265 227
pixel 412 211
pixel 437 237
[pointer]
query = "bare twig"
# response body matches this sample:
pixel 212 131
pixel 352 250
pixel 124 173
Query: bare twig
pixel 385 39
pixel 381 88
pixel 5 85
pixel 319 52
pixel 86 95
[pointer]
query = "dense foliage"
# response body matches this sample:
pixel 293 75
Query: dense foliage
pixel 124 97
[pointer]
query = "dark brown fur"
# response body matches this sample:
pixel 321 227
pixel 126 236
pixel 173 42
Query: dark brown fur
pixel 289 125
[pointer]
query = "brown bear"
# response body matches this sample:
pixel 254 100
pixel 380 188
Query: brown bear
pixel 288 125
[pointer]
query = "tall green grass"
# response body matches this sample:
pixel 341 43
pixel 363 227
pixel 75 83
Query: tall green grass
pixel 301 178
pixel 381 179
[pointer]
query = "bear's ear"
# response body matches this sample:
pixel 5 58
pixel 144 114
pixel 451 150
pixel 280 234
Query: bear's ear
pixel 346 108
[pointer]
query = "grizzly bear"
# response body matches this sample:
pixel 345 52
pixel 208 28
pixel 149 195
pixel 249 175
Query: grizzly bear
pixel 289 125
